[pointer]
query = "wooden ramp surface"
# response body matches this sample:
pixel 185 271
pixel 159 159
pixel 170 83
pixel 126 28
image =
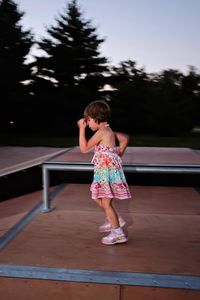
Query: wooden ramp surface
pixel 144 155
pixel 163 226
pixel 164 238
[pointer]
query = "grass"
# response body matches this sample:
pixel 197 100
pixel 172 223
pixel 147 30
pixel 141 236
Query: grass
pixel 190 141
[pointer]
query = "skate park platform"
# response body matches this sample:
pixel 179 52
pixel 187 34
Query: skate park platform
pixel 59 255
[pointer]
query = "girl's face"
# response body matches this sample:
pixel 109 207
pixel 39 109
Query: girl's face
pixel 92 124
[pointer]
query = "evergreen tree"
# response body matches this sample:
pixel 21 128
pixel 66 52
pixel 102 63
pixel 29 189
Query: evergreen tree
pixel 72 51
pixel 72 68
pixel 15 45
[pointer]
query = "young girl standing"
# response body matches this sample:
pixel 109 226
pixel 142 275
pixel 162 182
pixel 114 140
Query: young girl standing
pixel 109 180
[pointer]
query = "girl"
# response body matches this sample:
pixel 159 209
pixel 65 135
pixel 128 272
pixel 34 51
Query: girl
pixel 109 180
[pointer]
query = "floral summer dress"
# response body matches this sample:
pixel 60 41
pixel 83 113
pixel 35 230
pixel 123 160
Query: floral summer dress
pixel 109 180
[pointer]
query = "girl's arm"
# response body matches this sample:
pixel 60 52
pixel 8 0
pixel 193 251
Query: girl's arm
pixel 85 145
pixel 123 142
pixel 82 138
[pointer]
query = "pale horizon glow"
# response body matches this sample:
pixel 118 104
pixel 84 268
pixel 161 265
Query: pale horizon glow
pixel 157 35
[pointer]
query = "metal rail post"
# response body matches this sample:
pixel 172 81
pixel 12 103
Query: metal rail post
pixel 46 182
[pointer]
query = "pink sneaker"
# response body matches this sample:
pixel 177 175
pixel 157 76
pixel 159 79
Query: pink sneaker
pixel 114 238
pixel 106 227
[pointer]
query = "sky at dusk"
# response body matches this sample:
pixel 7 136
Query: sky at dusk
pixel 157 34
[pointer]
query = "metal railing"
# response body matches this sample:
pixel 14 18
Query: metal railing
pixel 129 168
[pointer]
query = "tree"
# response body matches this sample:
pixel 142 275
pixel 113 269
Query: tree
pixel 128 102
pixel 72 50
pixel 191 90
pixel 163 104
pixel 173 108
pixel 15 45
pixel 73 66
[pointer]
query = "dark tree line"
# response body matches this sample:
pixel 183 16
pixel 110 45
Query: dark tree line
pixel 49 94
pixel 165 104
pixel 15 45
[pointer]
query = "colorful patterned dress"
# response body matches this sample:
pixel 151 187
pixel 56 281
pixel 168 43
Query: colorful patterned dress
pixel 109 180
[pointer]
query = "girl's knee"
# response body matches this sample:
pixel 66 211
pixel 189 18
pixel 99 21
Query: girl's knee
pixel 106 202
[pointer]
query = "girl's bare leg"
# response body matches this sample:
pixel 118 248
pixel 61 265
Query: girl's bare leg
pixel 105 227
pixel 110 212
pixel 99 202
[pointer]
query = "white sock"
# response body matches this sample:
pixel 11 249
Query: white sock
pixel 118 230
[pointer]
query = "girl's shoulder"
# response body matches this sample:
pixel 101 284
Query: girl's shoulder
pixel 107 137
pixel 106 132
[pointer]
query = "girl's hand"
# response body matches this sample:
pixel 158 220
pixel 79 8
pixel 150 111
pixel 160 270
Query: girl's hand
pixel 123 142
pixel 82 123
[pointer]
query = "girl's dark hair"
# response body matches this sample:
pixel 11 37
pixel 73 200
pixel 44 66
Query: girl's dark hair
pixel 98 110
